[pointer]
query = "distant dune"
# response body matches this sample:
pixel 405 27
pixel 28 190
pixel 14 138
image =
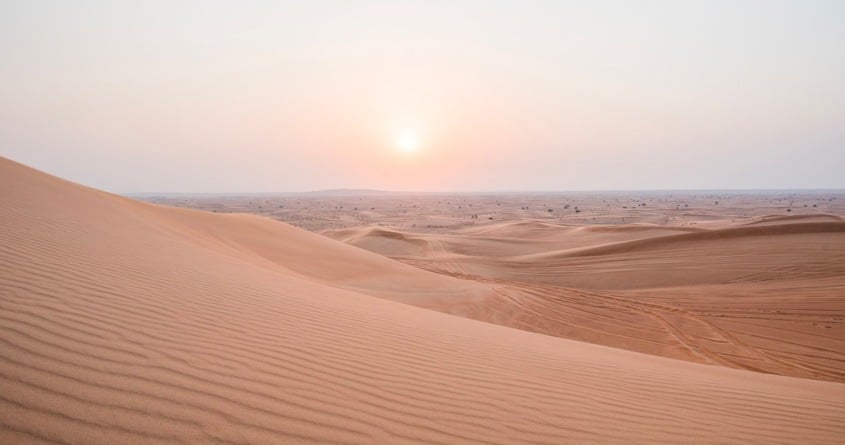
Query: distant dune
pixel 126 322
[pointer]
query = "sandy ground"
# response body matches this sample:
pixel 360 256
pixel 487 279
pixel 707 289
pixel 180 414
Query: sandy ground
pixel 766 296
pixel 446 213
pixel 128 322
pixel 752 280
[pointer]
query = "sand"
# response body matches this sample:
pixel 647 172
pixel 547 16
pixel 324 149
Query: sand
pixel 449 213
pixel 744 279
pixel 766 296
pixel 128 322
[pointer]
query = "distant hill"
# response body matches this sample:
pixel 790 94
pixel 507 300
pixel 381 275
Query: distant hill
pixel 353 192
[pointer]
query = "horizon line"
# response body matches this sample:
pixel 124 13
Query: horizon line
pixel 364 191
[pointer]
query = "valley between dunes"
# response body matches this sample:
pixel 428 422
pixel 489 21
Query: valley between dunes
pixel 128 322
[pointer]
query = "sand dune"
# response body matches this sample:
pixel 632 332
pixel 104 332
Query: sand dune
pixel 766 296
pixel 680 240
pixel 780 219
pixel 125 322
pixel 383 241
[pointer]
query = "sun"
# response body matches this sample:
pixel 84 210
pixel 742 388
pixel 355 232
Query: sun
pixel 407 141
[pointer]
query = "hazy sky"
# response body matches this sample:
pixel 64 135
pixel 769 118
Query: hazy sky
pixel 275 96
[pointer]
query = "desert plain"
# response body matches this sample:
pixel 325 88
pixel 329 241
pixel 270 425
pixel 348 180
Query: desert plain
pixel 394 318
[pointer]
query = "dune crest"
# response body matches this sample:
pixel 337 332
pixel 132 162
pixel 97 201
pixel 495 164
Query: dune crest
pixel 124 322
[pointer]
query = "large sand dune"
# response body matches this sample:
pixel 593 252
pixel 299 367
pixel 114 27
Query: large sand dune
pixel 765 295
pixel 125 322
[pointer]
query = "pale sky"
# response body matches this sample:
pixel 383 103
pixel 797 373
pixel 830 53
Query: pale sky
pixel 426 96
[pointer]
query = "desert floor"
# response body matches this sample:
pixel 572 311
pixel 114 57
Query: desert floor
pixel 744 279
pixel 124 321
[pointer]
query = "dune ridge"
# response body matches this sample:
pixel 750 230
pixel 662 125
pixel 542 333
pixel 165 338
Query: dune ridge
pixel 124 322
pixel 791 228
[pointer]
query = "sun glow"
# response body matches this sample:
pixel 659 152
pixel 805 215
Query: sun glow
pixel 407 142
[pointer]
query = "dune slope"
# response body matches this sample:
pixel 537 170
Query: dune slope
pixel 766 295
pixel 123 322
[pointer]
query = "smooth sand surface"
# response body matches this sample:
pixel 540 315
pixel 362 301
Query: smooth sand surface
pixel 127 322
